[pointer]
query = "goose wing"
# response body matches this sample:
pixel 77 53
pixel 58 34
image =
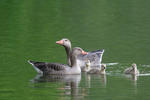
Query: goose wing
pixel 48 67
pixel 97 51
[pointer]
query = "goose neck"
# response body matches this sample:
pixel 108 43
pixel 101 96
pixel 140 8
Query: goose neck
pixel 74 61
pixel 68 52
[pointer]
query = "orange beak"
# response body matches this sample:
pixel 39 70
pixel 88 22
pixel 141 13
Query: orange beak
pixel 84 53
pixel 60 42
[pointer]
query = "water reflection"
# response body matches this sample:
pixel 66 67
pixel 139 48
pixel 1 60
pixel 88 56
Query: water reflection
pixel 72 87
pixel 133 78
pixel 95 77
pixel 71 83
pixel 56 78
pixel 103 79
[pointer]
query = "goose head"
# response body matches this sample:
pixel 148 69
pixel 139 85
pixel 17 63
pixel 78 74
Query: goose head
pixel 64 42
pixel 77 51
pixel 67 45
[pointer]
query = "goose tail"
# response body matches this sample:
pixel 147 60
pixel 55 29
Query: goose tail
pixel 36 66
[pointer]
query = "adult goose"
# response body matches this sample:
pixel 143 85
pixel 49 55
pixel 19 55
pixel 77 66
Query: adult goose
pixel 57 68
pixel 132 70
pixel 95 57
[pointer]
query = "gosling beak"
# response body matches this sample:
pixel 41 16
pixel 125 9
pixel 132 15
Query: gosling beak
pixel 61 42
pixel 84 53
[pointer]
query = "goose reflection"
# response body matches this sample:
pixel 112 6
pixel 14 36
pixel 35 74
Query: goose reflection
pixel 133 78
pixel 94 77
pixel 103 79
pixel 71 87
pixel 56 78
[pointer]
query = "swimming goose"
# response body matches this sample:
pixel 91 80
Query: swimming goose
pixel 98 70
pixel 132 70
pixel 95 57
pixel 56 68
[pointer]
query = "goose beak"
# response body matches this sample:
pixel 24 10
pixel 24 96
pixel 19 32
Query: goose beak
pixel 84 53
pixel 60 42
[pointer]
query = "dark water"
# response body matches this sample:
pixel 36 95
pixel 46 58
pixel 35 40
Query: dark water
pixel 29 29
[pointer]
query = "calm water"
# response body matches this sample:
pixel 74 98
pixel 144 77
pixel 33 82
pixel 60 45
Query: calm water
pixel 29 29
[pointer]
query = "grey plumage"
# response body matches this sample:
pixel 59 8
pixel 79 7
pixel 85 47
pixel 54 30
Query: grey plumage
pixel 49 67
pixel 57 68
pixel 95 57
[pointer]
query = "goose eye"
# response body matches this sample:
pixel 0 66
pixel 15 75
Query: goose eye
pixel 79 49
pixel 66 40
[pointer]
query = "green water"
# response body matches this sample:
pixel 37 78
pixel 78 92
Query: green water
pixel 30 28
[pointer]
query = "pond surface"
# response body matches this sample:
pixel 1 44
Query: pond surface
pixel 30 28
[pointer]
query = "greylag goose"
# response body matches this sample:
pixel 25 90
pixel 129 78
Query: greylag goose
pixel 132 70
pixel 56 68
pixel 97 70
pixel 95 57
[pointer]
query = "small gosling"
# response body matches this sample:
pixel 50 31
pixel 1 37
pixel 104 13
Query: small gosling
pixel 98 71
pixel 87 67
pixel 132 70
pixel 103 68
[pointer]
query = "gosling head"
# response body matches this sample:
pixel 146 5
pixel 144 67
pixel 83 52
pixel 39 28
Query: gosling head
pixel 88 65
pixel 103 67
pixel 134 66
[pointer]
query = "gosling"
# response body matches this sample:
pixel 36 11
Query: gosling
pixel 103 68
pixel 87 67
pixel 132 70
pixel 98 71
